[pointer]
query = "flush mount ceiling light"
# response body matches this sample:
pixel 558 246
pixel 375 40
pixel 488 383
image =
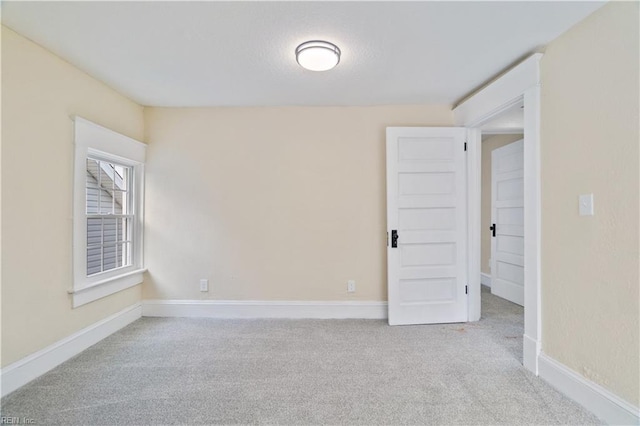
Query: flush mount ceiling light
pixel 317 55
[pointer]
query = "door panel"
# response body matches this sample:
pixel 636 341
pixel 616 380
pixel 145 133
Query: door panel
pixel 427 219
pixel 426 204
pixel 507 213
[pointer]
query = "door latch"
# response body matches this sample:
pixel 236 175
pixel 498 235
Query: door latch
pixel 492 228
pixel 394 238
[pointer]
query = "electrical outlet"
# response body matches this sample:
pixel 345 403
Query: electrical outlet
pixel 204 285
pixel 351 286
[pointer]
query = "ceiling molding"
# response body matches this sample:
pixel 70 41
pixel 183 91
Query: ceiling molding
pixel 497 97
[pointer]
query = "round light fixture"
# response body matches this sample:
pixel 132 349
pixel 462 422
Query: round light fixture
pixel 317 55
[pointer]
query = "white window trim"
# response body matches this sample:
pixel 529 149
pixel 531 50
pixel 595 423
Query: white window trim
pixel 92 139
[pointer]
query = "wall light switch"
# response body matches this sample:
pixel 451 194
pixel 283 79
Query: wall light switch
pixel 204 285
pixel 586 205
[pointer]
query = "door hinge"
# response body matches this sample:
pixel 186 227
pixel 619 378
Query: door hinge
pixel 466 289
pixel 465 146
pixel 492 228
pixel 387 239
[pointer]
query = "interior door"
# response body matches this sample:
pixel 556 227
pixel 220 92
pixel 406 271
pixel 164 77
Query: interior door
pixel 427 225
pixel 507 217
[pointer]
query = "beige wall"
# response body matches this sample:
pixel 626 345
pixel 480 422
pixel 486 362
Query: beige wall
pixel 288 203
pixel 489 143
pixel 39 93
pixel 270 203
pixel 590 139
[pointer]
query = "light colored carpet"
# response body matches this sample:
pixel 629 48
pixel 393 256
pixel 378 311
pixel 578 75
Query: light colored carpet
pixel 208 371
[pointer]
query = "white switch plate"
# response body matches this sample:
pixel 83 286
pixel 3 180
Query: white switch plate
pixel 586 205
pixel 351 286
pixel 204 285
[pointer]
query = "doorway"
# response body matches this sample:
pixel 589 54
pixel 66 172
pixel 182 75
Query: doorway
pixel 502 205
pixel 505 223
pixel 520 84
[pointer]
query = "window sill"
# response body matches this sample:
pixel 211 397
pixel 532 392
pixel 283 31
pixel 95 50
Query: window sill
pixel 106 287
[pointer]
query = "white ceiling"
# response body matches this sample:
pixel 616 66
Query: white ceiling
pixel 242 53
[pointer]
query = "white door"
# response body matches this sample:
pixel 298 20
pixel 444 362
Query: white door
pixel 507 222
pixel 427 225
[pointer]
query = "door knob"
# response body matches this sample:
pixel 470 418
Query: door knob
pixel 394 238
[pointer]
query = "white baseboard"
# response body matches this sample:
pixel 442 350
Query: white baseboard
pixel 25 370
pixel 264 309
pixel 601 402
pixel 485 279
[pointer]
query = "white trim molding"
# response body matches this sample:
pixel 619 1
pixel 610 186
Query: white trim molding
pixel 532 226
pixel 530 352
pixel 91 139
pixel 474 223
pixel 98 290
pixel 33 366
pixel 519 84
pixel 485 279
pixel 593 397
pixel 499 95
pixel 264 309
pixel 512 131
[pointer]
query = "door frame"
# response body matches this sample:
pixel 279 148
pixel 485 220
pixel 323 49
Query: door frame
pixel 521 82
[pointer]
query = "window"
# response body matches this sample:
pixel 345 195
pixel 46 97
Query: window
pixel 110 215
pixel 108 219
